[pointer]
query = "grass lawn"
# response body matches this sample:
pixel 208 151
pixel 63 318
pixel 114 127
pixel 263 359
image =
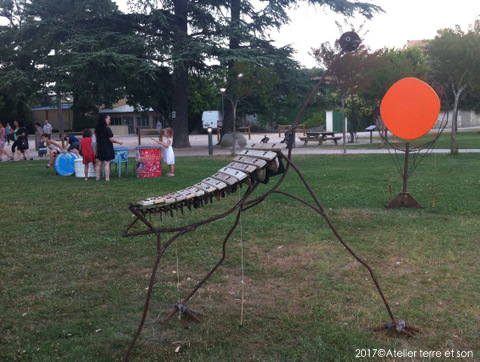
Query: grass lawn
pixel 465 139
pixel 72 288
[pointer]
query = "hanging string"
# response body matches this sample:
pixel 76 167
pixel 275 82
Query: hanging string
pixel 242 261
pixel 434 179
pixel 178 267
pixel 439 132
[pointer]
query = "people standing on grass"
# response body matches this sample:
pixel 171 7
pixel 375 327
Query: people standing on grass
pixel 3 139
pixel 41 147
pixel 20 143
pixel 105 141
pixel 86 149
pixel 15 129
pixel 8 133
pixel 23 145
pixel 54 147
pixel 47 128
pixel 168 154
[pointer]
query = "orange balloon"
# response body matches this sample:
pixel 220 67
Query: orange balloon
pixel 410 108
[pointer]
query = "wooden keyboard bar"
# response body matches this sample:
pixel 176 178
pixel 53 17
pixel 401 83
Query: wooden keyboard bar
pixel 229 180
pixel 268 146
pixel 242 167
pixel 195 190
pixel 205 187
pixel 235 173
pixel 265 155
pixel 257 162
pixel 219 185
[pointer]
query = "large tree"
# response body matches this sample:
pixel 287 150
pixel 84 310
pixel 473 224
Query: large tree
pixel 17 81
pixel 455 60
pixel 350 77
pixel 178 33
pixel 189 32
pixel 248 28
pixel 84 49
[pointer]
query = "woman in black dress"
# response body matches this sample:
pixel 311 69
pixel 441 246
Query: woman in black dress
pixel 105 141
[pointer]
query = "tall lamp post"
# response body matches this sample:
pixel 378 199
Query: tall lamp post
pixel 210 142
pixel 222 91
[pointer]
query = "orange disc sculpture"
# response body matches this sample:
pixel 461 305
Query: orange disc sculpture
pixel 410 108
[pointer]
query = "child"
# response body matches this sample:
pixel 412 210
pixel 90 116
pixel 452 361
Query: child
pixel 2 143
pixel 86 149
pixel 54 147
pixel 168 155
pixel 41 147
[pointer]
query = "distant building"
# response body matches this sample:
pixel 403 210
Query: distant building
pixel 127 121
pixel 419 43
pixel 124 118
pixel 40 114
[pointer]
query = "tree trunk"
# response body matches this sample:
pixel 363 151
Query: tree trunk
pixel 352 120
pixel 343 126
pixel 60 112
pixel 180 107
pixel 235 11
pixel 453 146
pixel 179 114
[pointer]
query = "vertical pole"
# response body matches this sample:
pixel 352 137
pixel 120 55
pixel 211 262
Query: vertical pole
pixel 405 169
pixel 210 143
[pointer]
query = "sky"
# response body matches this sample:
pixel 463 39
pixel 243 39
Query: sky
pixel 403 20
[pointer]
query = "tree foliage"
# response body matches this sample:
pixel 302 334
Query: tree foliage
pixel 89 51
pixel 247 29
pixel 351 76
pixel 455 59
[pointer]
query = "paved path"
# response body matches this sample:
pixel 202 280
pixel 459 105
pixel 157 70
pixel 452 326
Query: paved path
pixel 199 146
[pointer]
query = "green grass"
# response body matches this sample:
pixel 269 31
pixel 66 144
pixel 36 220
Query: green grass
pixel 72 288
pixel 464 139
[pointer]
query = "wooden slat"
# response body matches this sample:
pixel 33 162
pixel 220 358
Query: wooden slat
pixel 177 196
pixel 159 200
pixel 195 190
pixel 147 202
pixel 188 194
pixel 205 187
pixel 265 155
pixel 268 146
pixel 242 167
pixel 219 185
pixel 152 201
pixel 257 162
pixel 235 173
pixel 228 179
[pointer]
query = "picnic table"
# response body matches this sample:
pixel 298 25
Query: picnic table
pixel 320 137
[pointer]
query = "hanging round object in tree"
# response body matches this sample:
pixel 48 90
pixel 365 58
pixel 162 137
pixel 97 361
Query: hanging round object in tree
pixel 410 108
pixel 349 41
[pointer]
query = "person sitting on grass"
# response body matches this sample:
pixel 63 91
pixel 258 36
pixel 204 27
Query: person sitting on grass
pixel 53 146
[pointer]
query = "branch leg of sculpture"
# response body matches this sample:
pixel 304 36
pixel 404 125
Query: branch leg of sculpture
pixel 321 210
pixel 209 274
pixel 161 250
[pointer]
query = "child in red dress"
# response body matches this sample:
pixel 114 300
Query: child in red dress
pixel 86 149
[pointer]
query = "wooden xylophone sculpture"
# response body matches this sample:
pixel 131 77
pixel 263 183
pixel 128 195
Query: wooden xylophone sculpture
pixel 252 167
pixel 256 164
